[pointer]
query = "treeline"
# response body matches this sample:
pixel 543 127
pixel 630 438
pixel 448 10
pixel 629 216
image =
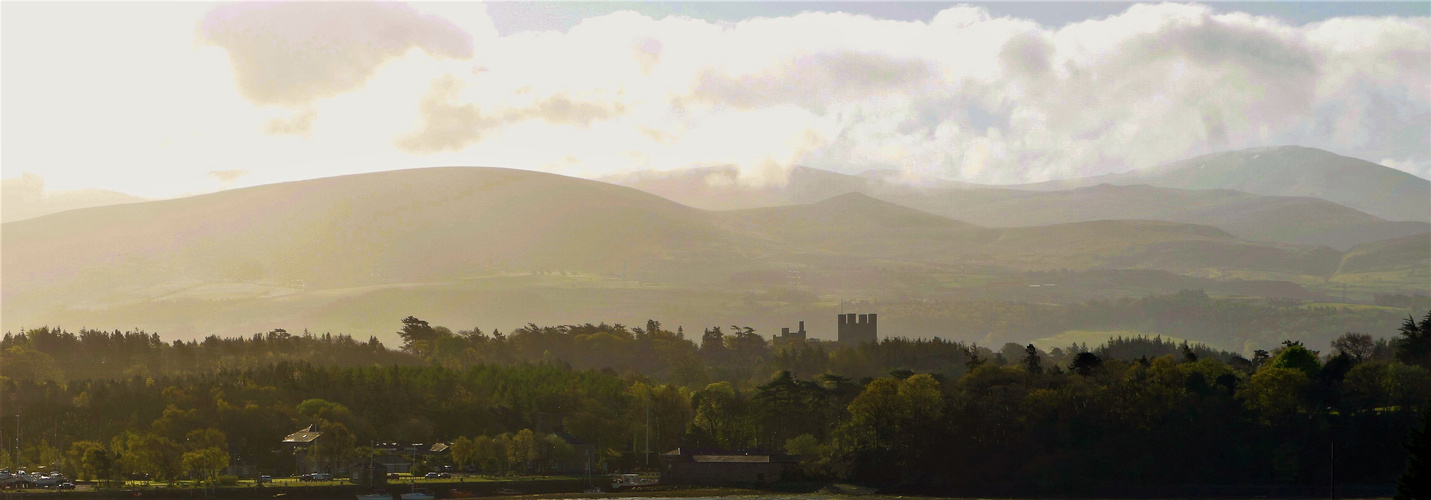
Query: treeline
pixel 55 354
pixel 1229 323
pixel 713 354
pixel 942 413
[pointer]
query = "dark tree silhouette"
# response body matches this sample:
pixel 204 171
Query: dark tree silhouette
pixel 1414 346
pixel 1415 483
pixel 1188 354
pixel 1085 363
pixel 1032 362
pixel 1359 346
pixel 416 334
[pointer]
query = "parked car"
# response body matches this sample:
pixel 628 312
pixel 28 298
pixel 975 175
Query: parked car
pixel 46 481
pixel 430 475
pixel 394 475
pixel 445 475
pixel 66 486
pixel 322 476
pixel 265 479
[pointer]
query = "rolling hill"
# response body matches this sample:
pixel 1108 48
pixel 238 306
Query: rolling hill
pixel 1285 171
pixel 858 225
pixel 1394 255
pixel 848 224
pixel 353 253
pixel 389 227
pixel 1281 219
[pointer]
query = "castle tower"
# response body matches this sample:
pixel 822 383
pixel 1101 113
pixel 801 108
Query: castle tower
pixel 786 334
pixel 855 329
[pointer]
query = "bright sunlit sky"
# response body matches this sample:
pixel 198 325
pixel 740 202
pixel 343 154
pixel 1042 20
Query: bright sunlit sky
pixel 167 99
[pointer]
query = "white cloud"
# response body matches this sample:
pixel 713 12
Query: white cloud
pixel 189 89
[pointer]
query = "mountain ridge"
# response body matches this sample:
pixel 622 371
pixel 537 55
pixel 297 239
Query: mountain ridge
pixel 1378 190
pixel 1275 218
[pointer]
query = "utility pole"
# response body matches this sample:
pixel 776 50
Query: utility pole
pixel 648 429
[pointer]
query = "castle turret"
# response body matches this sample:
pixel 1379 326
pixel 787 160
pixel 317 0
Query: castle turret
pixel 786 334
pixel 856 329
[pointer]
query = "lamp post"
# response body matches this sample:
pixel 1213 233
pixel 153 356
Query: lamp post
pixel 1332 442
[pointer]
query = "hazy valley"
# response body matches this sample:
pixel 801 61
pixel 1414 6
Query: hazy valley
pixel 501 248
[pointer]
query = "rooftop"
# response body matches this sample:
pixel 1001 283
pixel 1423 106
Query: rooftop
pixel 304 435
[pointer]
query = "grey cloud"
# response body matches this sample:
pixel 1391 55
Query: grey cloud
pixel 1288 69
pixel 445 125
pixel 1372 121
pixel 1192 86
pixel 293 53
pixel 815 81
pixel 1027 55
pixel 563 110
pixel 448 126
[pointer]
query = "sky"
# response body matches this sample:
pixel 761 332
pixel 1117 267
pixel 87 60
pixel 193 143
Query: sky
pixel 170 99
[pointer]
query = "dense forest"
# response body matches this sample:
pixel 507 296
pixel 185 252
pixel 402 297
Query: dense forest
pixel 918 413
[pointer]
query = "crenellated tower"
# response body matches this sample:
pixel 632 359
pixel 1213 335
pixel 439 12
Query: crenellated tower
pixel 855 329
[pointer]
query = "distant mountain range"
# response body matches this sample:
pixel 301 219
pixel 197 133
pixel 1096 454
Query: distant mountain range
pixel 1291 216
pixel 1285 171
pixel 354 252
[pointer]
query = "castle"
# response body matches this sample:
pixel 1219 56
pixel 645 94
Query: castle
pixel 856 329
pixel 786 334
